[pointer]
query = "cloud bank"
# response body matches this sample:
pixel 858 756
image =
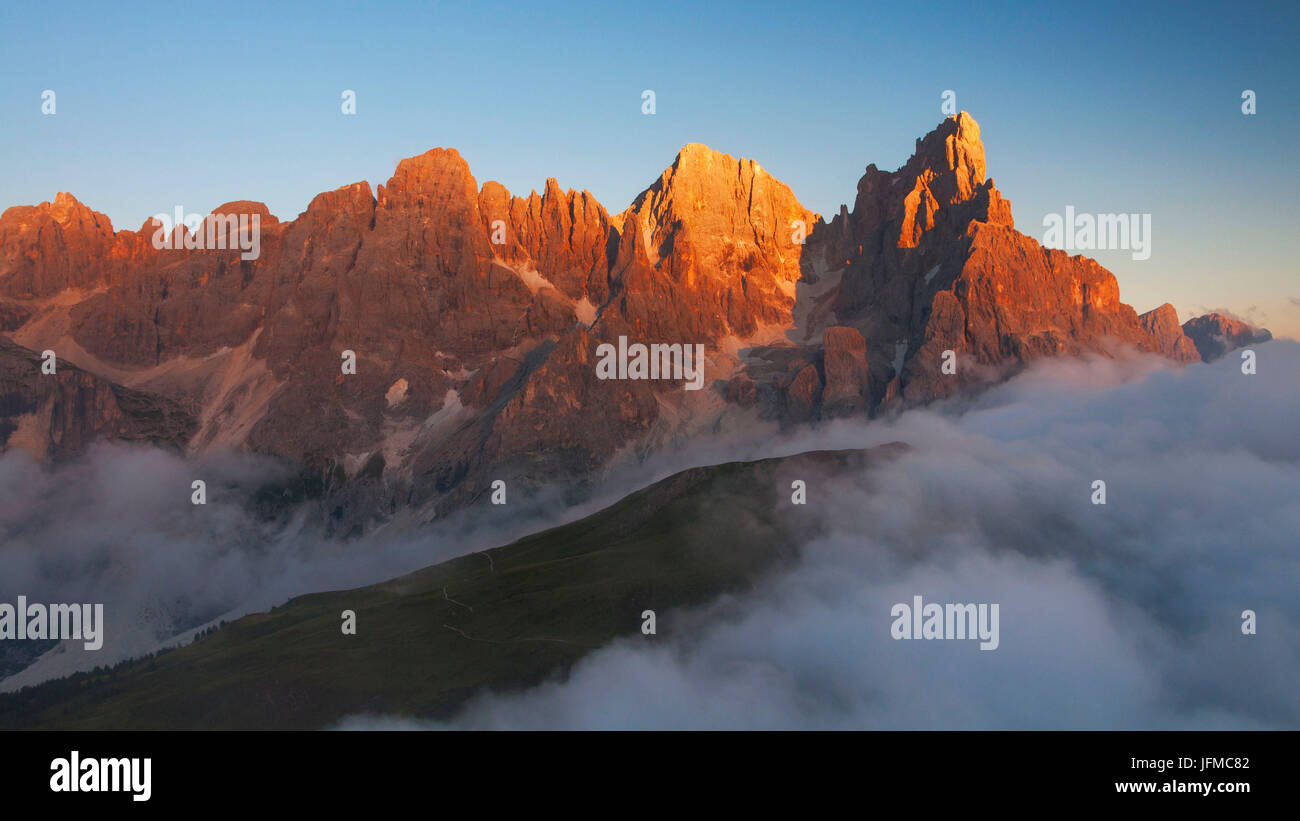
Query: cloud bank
pixel 1123 615
pixel 1118 616
pixel 118 528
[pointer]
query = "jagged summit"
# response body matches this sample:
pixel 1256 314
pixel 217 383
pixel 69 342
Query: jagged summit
pixel 954 145
pixel 437 174
pixel 251 207
pixel 1162 324
pixel 712 248
pixel 475 313
pixel 700 158
pixel 697 166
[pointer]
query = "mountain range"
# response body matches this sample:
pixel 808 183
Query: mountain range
pixel 474 316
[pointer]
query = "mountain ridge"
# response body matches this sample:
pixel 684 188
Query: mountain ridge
pixel 474 315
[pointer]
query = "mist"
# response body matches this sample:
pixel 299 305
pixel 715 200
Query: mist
pixel 1123 615
pixel 118 527
pixel 1126 615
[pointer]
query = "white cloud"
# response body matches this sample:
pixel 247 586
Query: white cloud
pixel 1118 616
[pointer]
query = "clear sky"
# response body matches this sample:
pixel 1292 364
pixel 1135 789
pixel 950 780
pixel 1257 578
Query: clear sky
pixel 1107 107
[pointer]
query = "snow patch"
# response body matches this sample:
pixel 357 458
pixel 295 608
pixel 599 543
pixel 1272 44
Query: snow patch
pixel 451 406
pixel 764 335
pixel 527 274
pixel 397 393
pixel 814 304
pixel 652 256
pixel 900 354
pixel 585 311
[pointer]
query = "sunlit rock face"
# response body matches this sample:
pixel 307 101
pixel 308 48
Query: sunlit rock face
pixel 487 309
pixel 929 261
pixel 1162 324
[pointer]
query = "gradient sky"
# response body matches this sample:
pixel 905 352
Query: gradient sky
pixel 1107 107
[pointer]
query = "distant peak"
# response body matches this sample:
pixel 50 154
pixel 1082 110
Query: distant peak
pixel 435 160
pixel 701 155
pixel 65 205
pixel 697 161
pixel 435 169
pixel 695 150
pixel 1218 332
pixel 249 207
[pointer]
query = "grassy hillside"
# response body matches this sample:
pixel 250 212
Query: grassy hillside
pixel 505 618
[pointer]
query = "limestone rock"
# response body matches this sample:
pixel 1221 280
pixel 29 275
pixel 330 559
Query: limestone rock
pixel 487 309
pixel 847 374
pixel 1215 334
pixel 1162 324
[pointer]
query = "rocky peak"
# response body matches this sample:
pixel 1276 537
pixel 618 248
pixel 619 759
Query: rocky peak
pixel 355 199
pixel 941 183
pixel 713 241
pixel 929 261
pixel 491 337
pixel 52 246
pixel 1162 324
pixel 429 181
pixel 898 246
pixel 566 234
pixel 65 211
pixel 249 207
pixel 953 150
pixel 67 208
pixel 1214 334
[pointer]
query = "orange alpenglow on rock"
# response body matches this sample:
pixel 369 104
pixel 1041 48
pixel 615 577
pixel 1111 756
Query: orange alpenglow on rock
pixel 489 308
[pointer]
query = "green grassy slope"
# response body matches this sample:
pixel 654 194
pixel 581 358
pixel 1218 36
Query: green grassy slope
pixel 505 618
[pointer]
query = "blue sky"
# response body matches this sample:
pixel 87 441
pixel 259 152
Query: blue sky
pixel 1111 107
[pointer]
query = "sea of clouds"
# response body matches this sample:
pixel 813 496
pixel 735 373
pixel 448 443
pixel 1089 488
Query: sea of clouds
pixel 118 527
pixel 1123 615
